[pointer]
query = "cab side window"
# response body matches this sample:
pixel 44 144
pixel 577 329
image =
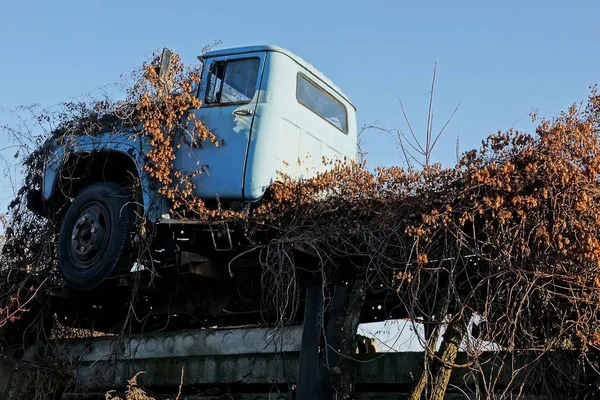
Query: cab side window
pixel 319 101
pixel 232 81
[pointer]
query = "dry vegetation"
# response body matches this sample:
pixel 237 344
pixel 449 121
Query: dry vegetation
pixel 508 237
pixel 133 392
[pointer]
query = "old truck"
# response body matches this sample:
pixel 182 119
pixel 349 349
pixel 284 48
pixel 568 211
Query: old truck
pixel 276 115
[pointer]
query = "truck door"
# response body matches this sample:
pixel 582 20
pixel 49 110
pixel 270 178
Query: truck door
pixel 229 93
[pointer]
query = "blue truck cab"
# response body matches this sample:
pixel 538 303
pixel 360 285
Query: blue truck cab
pixel 276 116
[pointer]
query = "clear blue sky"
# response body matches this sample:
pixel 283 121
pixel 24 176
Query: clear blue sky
pixel 501 60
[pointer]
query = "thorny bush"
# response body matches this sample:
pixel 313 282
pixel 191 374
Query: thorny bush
pixel 508 237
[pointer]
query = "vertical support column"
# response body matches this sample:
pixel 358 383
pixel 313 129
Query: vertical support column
pixel 309 353
pixel 333 338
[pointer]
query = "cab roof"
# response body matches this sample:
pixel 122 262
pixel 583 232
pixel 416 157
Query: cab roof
pixel 297 59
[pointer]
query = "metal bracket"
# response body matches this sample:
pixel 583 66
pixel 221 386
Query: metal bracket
pixel 214 240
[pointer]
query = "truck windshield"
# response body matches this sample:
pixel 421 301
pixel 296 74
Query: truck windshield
pixel 232 81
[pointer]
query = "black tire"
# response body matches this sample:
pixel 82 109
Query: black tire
pixel 96 235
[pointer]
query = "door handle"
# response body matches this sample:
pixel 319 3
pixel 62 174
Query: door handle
pixel 243 112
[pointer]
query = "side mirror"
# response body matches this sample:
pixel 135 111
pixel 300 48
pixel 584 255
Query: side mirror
pixel 165 65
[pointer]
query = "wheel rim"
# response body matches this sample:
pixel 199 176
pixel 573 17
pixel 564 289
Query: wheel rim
pixel 90 234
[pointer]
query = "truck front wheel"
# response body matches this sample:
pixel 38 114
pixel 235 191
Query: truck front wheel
pixel 96 235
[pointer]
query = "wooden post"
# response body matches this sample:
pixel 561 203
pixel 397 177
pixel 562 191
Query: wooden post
pixel 356 299
pixel 309 353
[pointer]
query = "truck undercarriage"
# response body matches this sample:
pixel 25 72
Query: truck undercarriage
pixel 222 284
